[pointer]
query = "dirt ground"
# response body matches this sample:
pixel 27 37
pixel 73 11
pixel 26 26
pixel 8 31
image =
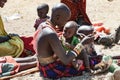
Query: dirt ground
pixel 19 17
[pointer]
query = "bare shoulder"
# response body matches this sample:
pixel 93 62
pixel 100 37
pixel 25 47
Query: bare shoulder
pixel 49 32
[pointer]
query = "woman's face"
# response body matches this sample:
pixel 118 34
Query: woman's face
pixel 2 3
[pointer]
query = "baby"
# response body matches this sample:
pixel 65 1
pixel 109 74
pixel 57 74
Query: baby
pixel 70 40
pixel 89 50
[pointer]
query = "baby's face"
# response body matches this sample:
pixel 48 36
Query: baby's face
pixel 68 32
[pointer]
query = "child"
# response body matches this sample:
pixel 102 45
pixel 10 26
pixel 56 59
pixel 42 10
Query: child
pixel 69 41
pixel 82 32
pixel 86 30
pixel 42 11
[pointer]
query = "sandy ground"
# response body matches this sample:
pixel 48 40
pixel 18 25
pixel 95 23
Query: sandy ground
pixel 97 10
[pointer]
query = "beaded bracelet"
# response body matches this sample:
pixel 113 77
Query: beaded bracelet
pixel 74 53
pixel 78 48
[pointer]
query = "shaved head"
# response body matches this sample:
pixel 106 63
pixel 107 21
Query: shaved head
pixel 60 14
pixel 70 29
pixel 71 24
pixel 61 7
pixel 43 6
pixel 85 29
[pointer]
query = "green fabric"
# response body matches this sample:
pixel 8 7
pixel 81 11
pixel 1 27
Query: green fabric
pixel 74 42
pixel 106 58
pixel 113 66
pixel 6 69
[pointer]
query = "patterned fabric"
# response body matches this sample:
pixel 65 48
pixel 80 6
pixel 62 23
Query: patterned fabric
pixel 77 9
pixel 8 66
pixel 57 70
pixel 13 47
pixel 94 60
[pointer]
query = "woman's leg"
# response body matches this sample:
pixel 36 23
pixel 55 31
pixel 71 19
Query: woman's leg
pixel 25 66
pixel 26 59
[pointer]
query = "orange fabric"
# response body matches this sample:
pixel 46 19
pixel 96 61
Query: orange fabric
pixel 107 31
pixel 100 28
pixel 77 9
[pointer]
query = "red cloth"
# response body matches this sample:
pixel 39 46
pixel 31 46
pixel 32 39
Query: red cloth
pixel 76 9
pixel 57 70
pixel 27 45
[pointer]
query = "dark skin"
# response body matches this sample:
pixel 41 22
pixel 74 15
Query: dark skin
pixel 85 31
pixel 69 31
pixel 42 10
pixel 49 39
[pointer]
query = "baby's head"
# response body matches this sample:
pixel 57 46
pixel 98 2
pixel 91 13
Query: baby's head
pixel 42 10
pixel 70 29
pixel 85 30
